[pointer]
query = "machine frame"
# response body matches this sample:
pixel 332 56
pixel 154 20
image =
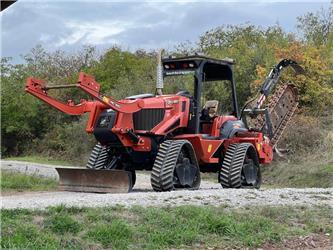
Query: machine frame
pixel 172 134
pixel 209 146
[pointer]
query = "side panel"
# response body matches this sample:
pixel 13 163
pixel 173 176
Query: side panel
pixel 204 148
pixel 264 150
pixel 176 115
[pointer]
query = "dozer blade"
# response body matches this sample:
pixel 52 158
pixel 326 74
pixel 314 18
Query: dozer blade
pixel 94 181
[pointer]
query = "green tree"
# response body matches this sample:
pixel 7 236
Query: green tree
pixel 122 73
pixel 250 46
pixel 317 28
pixel 24 118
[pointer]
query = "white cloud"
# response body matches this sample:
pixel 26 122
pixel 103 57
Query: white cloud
pixel 44 38
pixel 177 1
pixel 94 33
pixel 154 24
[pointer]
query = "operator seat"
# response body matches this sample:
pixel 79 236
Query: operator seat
pixel 209 110
pixel 208 113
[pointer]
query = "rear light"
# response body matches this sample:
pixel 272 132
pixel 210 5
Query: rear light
pixel 166 66
pixel 191 65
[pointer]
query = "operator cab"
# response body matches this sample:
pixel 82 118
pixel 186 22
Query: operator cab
pixel 212 77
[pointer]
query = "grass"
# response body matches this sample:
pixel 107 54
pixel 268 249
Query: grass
pixel 310 161
pixel 292 173
pixel 159 228
pixel 299 174
pixel 39 159
pixel 117 233
pixel 62 224
pixel 19 182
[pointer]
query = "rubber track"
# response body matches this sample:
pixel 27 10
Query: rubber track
pixel 164 165
pixel 231 169
pixel 98 157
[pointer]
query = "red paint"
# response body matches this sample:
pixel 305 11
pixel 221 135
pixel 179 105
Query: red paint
pixel 204 147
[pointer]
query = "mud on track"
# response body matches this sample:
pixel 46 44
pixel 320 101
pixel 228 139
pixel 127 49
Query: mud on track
pixel 210 193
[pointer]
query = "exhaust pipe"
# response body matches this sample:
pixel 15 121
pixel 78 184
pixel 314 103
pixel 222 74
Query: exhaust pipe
pixel 159 75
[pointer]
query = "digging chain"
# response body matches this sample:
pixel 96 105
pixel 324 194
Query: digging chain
pixel 282 105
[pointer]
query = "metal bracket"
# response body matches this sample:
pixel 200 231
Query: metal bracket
pixel 253 113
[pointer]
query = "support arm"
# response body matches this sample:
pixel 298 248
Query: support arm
pixel 273 78
pixel 89 85
pixel 38 89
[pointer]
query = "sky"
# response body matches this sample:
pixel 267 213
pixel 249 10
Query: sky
pixel 69 25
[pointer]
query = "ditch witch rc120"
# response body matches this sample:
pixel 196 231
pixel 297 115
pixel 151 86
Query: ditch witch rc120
pixel 173 135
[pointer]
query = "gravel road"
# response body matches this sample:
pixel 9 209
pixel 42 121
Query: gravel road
pixel 210 193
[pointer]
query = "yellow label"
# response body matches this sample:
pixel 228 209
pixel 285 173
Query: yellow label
pixel 209 148
pixel 105 99
pixel 258 147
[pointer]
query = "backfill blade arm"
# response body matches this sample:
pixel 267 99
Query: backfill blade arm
pixel 88 84
pixel 38 88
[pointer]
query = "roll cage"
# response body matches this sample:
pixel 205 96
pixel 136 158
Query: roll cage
pixel 204 69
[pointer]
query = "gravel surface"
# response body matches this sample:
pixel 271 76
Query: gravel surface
pixel 209 194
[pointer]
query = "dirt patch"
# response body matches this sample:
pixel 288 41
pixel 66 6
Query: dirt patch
pixel 313 241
